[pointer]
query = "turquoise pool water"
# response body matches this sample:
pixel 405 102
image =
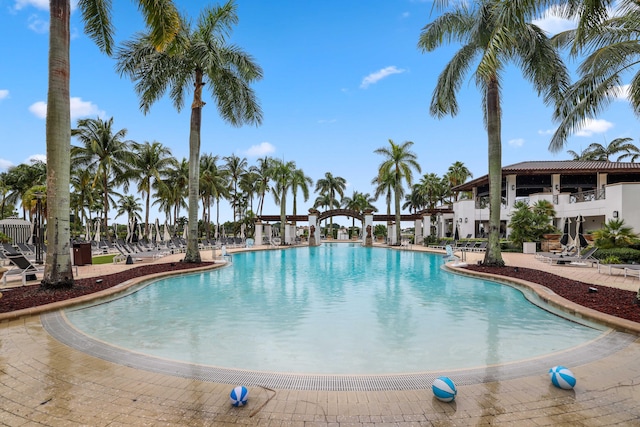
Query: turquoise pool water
pixel 333 309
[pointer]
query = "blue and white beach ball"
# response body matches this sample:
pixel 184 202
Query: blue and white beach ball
pixel 239 396
pixel 562 377
pixel 444 389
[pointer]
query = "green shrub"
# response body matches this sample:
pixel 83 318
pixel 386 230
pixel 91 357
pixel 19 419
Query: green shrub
pixel 624 255
pixel 611 259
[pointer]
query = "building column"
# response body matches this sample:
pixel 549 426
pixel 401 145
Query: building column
pixel 314 230
pixel 418 234
pixel 268 232
pixel 426 225
pixel 367 232
pixel 258 233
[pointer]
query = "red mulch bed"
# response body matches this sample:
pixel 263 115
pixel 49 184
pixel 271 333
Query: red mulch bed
pixel 617 302
pixel 32 296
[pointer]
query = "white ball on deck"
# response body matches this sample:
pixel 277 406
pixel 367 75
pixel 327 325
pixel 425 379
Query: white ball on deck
pixel 239 396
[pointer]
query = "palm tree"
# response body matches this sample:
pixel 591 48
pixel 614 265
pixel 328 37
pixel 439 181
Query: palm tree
pixel 399 161
pixel 616 146
pixel 494 33
pixel 331 185
pixel 213 185
pixel 261 171
pixel 173 190
pixel 358 202
pixel 106 153
pixel 431 188
pixel 282 176
pixel 614 233
pixel 19 179
pixel 385 184
pixel 235 167
pixel 458 174
pixel 585 154
pixel 162 17
pixel 83 193
pixel 150 165
pixel 130 205
pixel 299 181
pixel 195 57
pixel 612 47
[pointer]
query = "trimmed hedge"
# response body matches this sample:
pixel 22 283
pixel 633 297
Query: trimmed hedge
pixel 625 255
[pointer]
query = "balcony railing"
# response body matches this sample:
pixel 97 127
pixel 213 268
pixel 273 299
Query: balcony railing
pixel 587 196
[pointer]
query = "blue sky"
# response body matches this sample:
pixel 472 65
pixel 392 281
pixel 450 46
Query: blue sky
pixel 341 78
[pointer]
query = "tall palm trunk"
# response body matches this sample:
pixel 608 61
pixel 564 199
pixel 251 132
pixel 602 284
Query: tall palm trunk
pixel 58 272
pixel 193 254
pixel 283 215
pixel 492 256
pixel 397 206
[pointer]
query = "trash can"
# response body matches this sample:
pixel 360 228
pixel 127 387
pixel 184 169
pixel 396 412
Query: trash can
pixel 529 247
pixel 82 254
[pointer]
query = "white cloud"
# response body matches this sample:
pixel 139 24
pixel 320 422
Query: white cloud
pixel 38 4
pixel 375 77
pixel 405 14
pixel 546 131
pixel 38 25
pixel 39 109
pixel 518 142
pixel 552 23
pixel 4 93
pixel 36 158
pixel 323 121
pixel 5 164
pixel 592 126
pixel 79 108
pixel 259 150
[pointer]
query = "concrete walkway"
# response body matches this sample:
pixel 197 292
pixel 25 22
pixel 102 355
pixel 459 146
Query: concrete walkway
pixel 44 382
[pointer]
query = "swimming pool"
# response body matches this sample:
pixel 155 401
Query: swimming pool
pixel 333 309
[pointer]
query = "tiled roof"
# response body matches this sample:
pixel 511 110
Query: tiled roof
pixel 561 166
pixel 565 167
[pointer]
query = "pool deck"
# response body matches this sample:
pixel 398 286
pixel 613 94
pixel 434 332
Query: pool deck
pixel 44 382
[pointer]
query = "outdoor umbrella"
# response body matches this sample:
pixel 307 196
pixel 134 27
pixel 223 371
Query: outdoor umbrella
pixel 150 235
pixel 129 232
pixel 157 230
pixel 456 234
pixel 242 228
pixel 115 231
pixel 166 236
pixel 216 235
pixel 87 232
pixel 134 230
pixel 185 232
pixel 564 240
pixel 97 235
pixel 582 242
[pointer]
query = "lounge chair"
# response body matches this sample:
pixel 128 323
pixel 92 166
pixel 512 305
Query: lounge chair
pixel 583 259
pixel 632 270
pixel 481 247
pixel 22 266
pixel 449 256
pixel 627 269
pixel 9 249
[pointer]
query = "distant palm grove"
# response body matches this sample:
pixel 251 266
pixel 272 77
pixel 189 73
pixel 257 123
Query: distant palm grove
pixel 174 57
pixel 129 179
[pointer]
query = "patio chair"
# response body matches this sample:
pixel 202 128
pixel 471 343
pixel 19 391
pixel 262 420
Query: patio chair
pixel 449 256
pixel 583 259
pixel 22 266
pixel 8 249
